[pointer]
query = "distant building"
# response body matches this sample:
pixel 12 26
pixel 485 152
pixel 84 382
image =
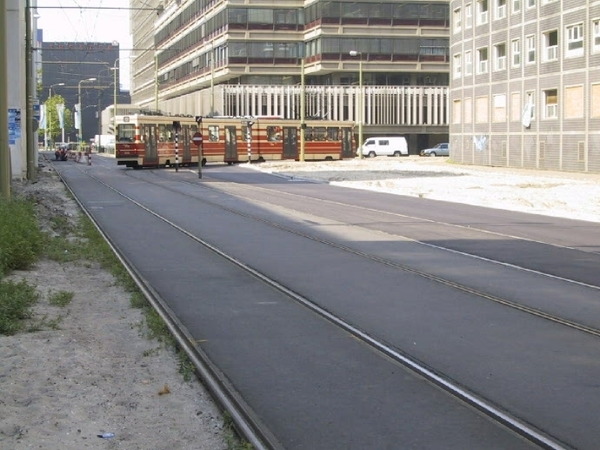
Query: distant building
pixel 525 84
pixel 246 58
pixel 72 63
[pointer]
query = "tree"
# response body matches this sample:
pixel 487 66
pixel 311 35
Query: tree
pixel 52 121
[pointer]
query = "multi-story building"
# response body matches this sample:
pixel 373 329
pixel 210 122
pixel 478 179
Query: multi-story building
pixel 384 64
pixel 68 68
pixel 525 84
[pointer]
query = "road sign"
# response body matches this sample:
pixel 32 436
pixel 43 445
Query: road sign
pixel 197 139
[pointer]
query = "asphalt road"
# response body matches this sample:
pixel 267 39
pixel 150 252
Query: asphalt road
pixel 453 287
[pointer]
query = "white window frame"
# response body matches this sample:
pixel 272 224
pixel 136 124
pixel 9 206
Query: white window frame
pixel 550 50
pixel 468 62
pixel 482 64
pixel 457 15
pixel 574 40
pixel 469 16
pixel 482 14
pixel 515 49
pixel 457 65
pixel 516 6
pixel 530 45
pixel 500 56
pixel 595 32
pixel 550 109
pixel 500 12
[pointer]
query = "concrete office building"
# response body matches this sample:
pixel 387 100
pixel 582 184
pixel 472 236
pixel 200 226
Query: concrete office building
pixel 74 64
pixel 525 84
pixel 206 57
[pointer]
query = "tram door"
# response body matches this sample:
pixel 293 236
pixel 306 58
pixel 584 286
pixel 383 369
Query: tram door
pixel 151 154
pixel 185 144
pixel 290 143
pixel 347 151
pixel 231 151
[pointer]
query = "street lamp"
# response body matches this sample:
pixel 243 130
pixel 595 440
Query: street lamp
pixel 80 110
pixel 302 106
pixel 361 114
pixel 115 70
pixel 46 134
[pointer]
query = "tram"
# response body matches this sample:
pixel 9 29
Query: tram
pixel 149 140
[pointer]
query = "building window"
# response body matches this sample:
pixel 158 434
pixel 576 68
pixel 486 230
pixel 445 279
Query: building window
pixel 482 60
pixel 468 110
pixel 468 63
pixel 515 106
pixel 516 52
pixel 551 46
pixel 482 12
pixel 595 107
pixel 530 43
pixel 456 110
pixel 500 9
pixel 457 20
pixel 596 35
pixel 457 63
pixel 499 113
pixel 500 56
pixel 574 43
pixel 481 109
pixel 530 3
pixel 573 102
pixel 468 16
pixel 551 104
pixel 516 6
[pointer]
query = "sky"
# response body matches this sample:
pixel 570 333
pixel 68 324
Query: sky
pixel 88 21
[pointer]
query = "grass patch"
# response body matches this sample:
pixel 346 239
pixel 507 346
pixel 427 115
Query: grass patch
pixel 16 303
pixel 61 298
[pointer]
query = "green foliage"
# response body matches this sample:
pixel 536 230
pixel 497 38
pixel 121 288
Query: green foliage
pixel 54 130
pixel 16 302
pixel 61 298
pixel 21 241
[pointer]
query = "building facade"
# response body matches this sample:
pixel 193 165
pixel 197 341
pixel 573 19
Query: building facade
pixel 219 57
pixel 68 68
pixel 525 84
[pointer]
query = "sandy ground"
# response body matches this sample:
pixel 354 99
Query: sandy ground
pixel 95 372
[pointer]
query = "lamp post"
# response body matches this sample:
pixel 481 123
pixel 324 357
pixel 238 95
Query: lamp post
pixel 302 109
pixel 115 70
pixel 361 114
pixel 46 134
pixel 80 110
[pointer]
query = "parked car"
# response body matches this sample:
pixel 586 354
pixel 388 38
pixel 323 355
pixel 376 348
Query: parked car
pixel 442 149
pixel 385 146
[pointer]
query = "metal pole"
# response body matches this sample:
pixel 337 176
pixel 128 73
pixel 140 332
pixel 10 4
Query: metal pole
pixel 302 110
pixel 5 172
pixel 155 81
pixel 31 165
pixel 115 71
pixel 212 81
pixel 362 108
pixel 47 119
pixel 176 149
pixel 80 112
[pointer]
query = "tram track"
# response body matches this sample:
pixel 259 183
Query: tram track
pixel 461 393
pixel 408 269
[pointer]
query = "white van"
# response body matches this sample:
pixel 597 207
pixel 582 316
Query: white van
pixel 385 146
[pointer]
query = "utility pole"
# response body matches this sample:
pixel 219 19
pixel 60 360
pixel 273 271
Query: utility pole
pixel 29 89
pixel 4 148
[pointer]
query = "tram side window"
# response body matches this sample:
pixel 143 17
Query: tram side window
pixel 246 133
pixel 126 132
pixel 333 134
pixel 320 134
pixel 163 133
pixel 274 134
pixel 213 133
pixel 308 134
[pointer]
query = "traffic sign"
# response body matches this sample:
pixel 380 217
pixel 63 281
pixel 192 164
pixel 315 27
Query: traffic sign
pixel 197 139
